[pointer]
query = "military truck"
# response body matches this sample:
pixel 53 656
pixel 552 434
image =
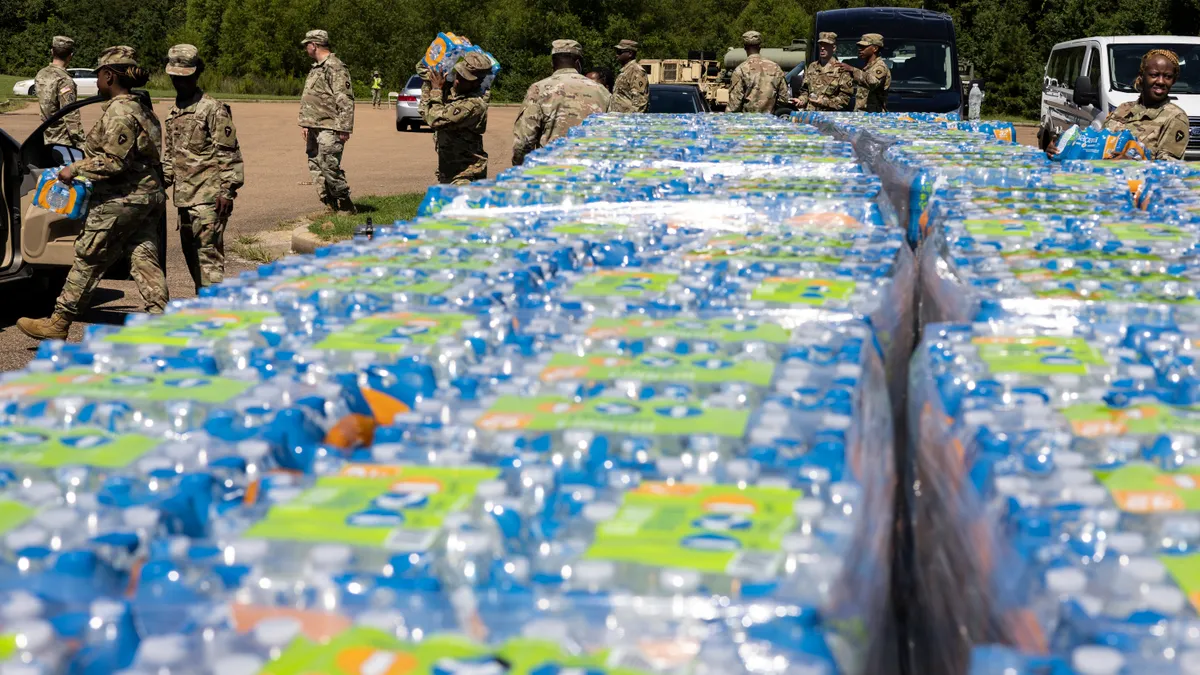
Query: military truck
pixel 699 68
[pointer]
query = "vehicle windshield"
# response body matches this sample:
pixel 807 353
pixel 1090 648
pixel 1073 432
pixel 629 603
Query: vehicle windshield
pixel 916 65
pixel 1124 61
pixel 414 82
pixel 672 101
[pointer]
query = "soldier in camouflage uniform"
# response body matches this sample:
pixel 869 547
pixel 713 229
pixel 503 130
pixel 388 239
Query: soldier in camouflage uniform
pixel 1159 124
pixel 557 103
pixel 203 162
pixel 327 120
pixel 875 80
pixel 631 91
pixel 55 91
pixel 757 84
pixel 460 120
pixel 826 85
pixel 122 160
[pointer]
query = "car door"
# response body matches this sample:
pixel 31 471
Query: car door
pixel 1064 66
pixel 10 202
pixel 85 82
pixel 47 239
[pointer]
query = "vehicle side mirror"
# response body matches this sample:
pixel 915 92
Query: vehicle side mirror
pixel 1084 94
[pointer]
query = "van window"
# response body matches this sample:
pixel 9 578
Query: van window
pixel 1065 65
pixel 1093 71
pixel 916 65
pixel 1125 60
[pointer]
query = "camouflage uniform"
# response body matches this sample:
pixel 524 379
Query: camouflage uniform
pixel 55 91
pixel 121 158
pixel 631 91
pixel 555 104
pixel 1163 130
pixel 874 81
pixel 827 87
pixel 757 84
pixel 202 162
pixel 460 120
pixel 327 108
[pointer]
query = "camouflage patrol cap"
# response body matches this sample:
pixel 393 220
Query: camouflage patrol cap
pixel 752 37
pixel 626 46
pixel 183 60
pixel 566 47
pixel 317 37
pixel 871 40
pixel 62 43
pixel 827 38
pixel 472 66
pixel 117 56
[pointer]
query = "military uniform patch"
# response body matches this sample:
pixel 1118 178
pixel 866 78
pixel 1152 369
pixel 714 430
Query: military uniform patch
pixel 1179 136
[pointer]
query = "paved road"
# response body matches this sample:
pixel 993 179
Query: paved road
pixel 378 160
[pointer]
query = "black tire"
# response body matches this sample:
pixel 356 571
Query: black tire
pixel 401 126
pixel 33 90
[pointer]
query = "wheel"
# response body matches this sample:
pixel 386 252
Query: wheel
pixel 400 126
pixel 32 90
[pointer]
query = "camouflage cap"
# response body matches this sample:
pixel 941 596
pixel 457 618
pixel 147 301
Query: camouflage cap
pixel 317 37
pixel 117 56
pixel 62 43
pixel 183 60
pixel 626 46
pixel 871 40
pixel 752 37
pixel 566 47
pixel 472 66
pixel 827 38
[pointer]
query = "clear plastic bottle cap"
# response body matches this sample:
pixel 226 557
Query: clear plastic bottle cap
pixel 1008 486
pixel 1076 477
pixel 1141 372
pixel 491 489
pixel 18 668
pixel 594 572
pixel 741 469
pixel 808 508
pixel 1164 599
pixel 1092 605
pixel 580 493
pixel 140 517
pixel 238 664
pixel 473 542
pixel 106 610
pixel 162 650
pixel 25 537
pixel 1146 570
pixel 1089 495
pixel 578 438
pixel 548 629
pixel 832 421
pixel 1066 581
pixel 1065 381
pixel 1095 660
pixel 276 632
pixel 679 580
pixel 1069 459
pixel 794 542
pixel 41 492
pixel 250 551
pixel 253 449
pixel 330 556
pixel 975 418
pixel 1127 543
pixel 599 512
pixel 57 519
pixel 21 605
pixel 1189 662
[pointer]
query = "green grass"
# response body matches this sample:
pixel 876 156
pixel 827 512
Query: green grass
pixel 250 247
pixel 381 210
pixel 1015 119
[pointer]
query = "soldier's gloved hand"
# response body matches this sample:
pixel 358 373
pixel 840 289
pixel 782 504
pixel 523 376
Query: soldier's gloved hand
pixel 224 207
pixel 343 136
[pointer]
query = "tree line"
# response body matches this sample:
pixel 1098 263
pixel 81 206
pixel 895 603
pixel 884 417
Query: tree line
pixel 252 46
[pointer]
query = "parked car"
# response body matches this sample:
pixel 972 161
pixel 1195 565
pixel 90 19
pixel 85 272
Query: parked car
pixel 407 116
pixel 1094 75
pixel 85 84
pixel 36 244
pixel 677 98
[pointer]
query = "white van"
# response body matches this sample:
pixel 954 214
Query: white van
pixel 1108 66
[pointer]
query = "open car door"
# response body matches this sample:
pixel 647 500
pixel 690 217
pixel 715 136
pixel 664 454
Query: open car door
pixel 10 204
pixel 47 239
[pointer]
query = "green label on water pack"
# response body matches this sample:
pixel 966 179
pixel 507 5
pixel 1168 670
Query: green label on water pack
pixel 393 333
pixel 1185 570
pixel 399 508
pixel 81 446
pixel 1093 420
pixel 13 515
pixel 616 415
pixel 713 529
pixel 623 283
pixel 543 170
pixel 442 224
pixel 1080 180
pixel 1142 488
pixel 1144 231
pixel 182 328
pixel 800 291
pixel 772 248
pixel 720 330
pixel 593 229
pixel 1038 355
pixel 366 283
pixel 657 368
pixel 125 386
pixel 368 651
pixel 655 174
pixel 1003 228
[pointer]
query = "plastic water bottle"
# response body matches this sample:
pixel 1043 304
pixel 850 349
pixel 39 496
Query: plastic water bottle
pixel 974 102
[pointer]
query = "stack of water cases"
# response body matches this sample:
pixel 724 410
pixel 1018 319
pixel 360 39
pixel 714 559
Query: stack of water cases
pixel 623 410
pixel 1052 406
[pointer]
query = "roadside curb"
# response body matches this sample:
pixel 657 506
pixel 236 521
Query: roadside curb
pixel 304 242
